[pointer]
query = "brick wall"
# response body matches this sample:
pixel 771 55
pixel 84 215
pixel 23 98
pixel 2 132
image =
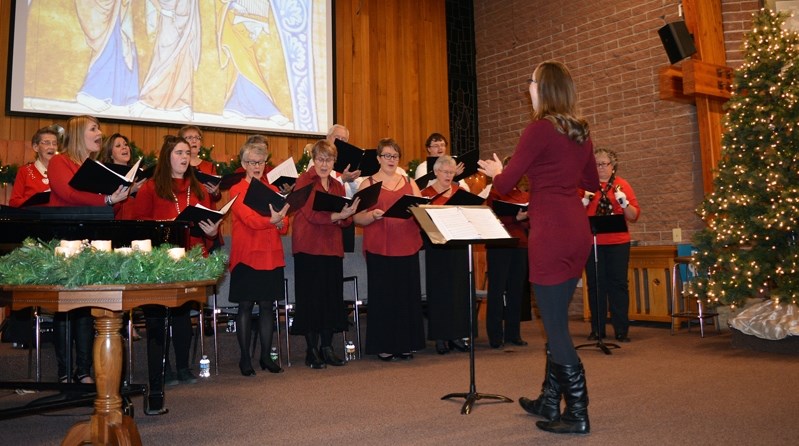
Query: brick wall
pixel 614 53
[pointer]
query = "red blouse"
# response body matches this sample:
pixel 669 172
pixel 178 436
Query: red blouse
pixel 149 206
pixel 60 171
pixel 313 232
pixel 29 182
pixel 614 238
pixel 392 236
pixel 254 240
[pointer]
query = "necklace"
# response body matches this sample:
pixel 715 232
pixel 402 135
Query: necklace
pixel 177 205
pixel 396 183
pixel 43 170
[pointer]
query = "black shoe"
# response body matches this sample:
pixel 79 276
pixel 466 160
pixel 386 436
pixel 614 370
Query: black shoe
pixel 458 345
pixel 171 378
pixel 622 338
pixel 406 356
pixel 330 357
pixel 495 344
pixel 593 336
pixel 574 419
pixel 268 364
pixel 385 357
pixel 186 377
pixel 519 341
pixel 246 369
pixel 441 347
pixel 314 360
pixel 154 404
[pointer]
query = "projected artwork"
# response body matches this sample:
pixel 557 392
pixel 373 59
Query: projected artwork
pixel 250 64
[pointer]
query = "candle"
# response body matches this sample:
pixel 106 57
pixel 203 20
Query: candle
pixel 74 245
pixel 142 245
pixel 102 245
pixel 64 251
pixel 124 251
pixel 177 253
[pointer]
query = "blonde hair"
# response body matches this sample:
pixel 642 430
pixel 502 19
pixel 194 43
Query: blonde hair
pixel 75 146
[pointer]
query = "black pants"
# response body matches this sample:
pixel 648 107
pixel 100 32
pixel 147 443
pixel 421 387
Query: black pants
pixel 614 293
pixel 81 327
pixel 157 324
pixel 507 286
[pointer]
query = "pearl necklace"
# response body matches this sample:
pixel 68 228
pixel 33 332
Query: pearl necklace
pixel 188 196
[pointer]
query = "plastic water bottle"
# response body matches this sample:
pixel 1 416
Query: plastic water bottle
pixel 273 354
pixel 231 326
pixel 349 351
pixel 205 367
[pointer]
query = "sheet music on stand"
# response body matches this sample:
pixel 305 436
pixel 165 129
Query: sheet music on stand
pixel 462 223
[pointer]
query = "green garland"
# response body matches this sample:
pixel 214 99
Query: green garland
pixel 8 173
pixel 35 263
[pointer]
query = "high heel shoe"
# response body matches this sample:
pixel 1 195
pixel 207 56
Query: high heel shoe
pixel 441 347
pixel 458 345
pixel 313 360
pixel 246 370
pixel 268 364
pixel 330 357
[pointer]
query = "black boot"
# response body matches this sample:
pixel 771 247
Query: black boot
pixel 574 419
pixel 330 357
pixel 547 405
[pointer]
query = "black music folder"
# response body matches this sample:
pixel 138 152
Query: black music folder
pixel 469 160
pixel 423 181
pixel 401 208
pixel 356 158
pixel 207 178
pixel 463 198
pixel 507 209
pixel 606 224
pixel 94 176
pixel 37 199
pixel 325 202
pixel 259 197
pixel 231 180
pixel 197 213
pixel 141 174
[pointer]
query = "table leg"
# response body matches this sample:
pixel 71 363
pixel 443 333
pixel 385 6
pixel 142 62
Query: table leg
pixel 108 425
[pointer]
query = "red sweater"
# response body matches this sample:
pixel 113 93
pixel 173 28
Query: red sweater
pixel 254 240
pixel 614 238
pixel 29 182
pixel 149 206
pixel 313 232
pixel 60 171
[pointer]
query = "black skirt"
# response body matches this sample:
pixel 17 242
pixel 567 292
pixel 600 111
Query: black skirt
pixel 248 284
pixel 447 279
pixel 319 293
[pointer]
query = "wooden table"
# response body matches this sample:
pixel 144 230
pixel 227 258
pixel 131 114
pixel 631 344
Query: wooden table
pixel 108 425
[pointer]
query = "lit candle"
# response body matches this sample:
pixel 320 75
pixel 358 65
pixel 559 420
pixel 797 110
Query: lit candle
pixel 102 245
pixel 74 245
pixel 142 245
pixel 64 251
pixel 177 253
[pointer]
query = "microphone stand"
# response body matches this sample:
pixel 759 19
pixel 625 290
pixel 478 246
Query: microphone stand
pixel 599 343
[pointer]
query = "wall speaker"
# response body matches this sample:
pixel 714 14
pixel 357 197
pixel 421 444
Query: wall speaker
pixel 677 41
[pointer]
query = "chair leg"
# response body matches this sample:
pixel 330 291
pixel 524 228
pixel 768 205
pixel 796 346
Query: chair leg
pixel 276 309
pixel 214 314
pixel 287 307
pixel 129 346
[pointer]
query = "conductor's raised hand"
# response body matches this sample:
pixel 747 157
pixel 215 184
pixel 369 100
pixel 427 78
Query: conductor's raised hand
pixel 490 168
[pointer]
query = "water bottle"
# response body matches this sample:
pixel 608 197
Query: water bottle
pixel 273 354
pixel 349 351
pixel 205 367
pixel 231 326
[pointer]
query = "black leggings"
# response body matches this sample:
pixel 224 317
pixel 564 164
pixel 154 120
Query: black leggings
pixel 553 304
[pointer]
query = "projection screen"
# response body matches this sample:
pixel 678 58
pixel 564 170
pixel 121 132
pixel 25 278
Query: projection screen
pixel 263 65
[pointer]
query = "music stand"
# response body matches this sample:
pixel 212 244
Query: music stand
pixel 429 227
pixel 602 224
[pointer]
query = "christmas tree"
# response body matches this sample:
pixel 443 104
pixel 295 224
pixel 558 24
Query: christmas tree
pixel 750 246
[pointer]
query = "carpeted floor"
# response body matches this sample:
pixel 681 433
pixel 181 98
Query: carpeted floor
pixel 658 389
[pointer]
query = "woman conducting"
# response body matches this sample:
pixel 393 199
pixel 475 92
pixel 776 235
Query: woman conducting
pixel 318 248
pixel 446 272
pixel 256 261
pixel 556 154
pixel 391 247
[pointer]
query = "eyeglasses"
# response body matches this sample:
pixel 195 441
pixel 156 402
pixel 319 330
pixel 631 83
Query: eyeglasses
pixel 447 172
pixel 324 160
pixel 193 138
pixel 253 163
pixel 603 164
pixel 531 81
pixel 439 145
pixel 388 156
pixel 47 143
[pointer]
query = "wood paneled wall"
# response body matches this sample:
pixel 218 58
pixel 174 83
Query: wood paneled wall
pixel 391 81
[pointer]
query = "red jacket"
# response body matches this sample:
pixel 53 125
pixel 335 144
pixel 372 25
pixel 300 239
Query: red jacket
pixel 254 240
pixel 28 183
pixel 60 171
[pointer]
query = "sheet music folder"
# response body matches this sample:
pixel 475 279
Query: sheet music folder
pixel 437 237
pixel 606 224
